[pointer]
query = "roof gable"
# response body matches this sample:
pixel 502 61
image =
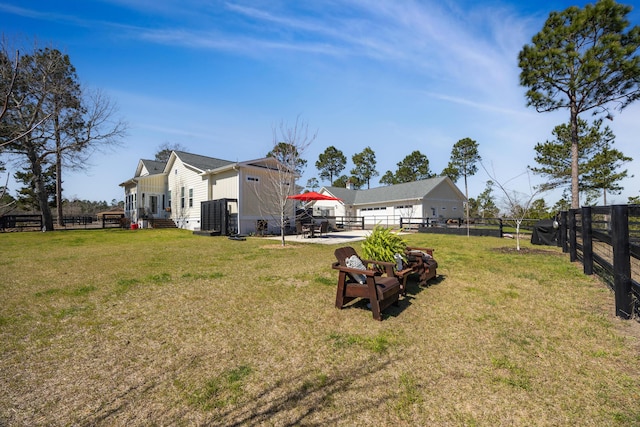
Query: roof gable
pixel 149 167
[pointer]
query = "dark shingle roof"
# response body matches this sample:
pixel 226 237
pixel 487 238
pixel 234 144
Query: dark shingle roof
pixel 202 163
pixel 153 166
pixel 405 191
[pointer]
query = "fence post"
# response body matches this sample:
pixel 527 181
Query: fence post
pixel 587 241
pixel 621 260
pixel 563 232
pixel 500 225
pixel 573 251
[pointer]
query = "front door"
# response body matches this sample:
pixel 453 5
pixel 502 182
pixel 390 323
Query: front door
pixel 153 202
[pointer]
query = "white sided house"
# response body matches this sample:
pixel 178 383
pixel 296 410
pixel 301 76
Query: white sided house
pixel 190 189
pixel 433 199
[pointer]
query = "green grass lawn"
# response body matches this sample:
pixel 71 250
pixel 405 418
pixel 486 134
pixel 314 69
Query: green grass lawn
pixel 161 327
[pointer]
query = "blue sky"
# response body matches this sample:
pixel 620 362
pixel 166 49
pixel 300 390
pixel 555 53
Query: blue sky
pixel 216 77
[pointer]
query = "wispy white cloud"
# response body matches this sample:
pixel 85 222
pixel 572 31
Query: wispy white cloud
pixel 472 51
pixel 476 105
pixel 422 36
pixel 28 13
pixel 238 44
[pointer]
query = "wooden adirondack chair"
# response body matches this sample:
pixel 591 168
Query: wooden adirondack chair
pixel 424 266
pixel 353 283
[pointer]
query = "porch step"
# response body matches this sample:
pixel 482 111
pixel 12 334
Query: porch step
pixel 163 223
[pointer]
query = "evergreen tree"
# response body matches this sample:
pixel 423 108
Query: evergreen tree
pixel 452 172
pixel 603 176
pixel 388 178
pixel 539 209
pixel 165 149
pixel 597 161
pixel 313 183
pixel 27 196
pixel 342 180
pixel 288 155
pixel 365 166
pixel 487 207
pixel 330 163
pixel 582 59
pixel 413 167
pixel 474 207
pixel 564 204
pixel 464 156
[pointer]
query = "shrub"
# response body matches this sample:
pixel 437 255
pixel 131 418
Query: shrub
pixel 382 244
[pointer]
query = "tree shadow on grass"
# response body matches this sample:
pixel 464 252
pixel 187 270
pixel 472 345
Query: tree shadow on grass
pixel 294 401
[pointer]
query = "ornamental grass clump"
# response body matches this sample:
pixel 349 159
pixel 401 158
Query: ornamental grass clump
pixel 382 244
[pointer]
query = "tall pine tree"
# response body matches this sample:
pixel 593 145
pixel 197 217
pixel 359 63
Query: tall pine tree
pixel 583 60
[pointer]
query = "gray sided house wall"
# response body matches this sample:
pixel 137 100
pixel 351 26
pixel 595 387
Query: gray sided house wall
pixel 259 200
pixel 443 202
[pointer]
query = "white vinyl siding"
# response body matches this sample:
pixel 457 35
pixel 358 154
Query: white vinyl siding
pixel 187 187
pixel 225 185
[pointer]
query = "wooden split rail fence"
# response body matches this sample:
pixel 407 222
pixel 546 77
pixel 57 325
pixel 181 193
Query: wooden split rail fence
pixel 607 242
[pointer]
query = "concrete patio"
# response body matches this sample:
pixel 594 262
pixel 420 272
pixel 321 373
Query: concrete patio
pixel 331 238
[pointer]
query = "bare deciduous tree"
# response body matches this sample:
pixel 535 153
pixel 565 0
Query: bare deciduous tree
pixel 6 84
pixel 49 118
pixel 98 132
pixel 517 203
pixel 289 144
pixel 165 149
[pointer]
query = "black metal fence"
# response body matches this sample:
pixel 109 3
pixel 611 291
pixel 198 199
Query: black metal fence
pixel 116 220
pixel 497 227
pixel 477 226
pixel 607 242
pixel 23 222
pixel 78 220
